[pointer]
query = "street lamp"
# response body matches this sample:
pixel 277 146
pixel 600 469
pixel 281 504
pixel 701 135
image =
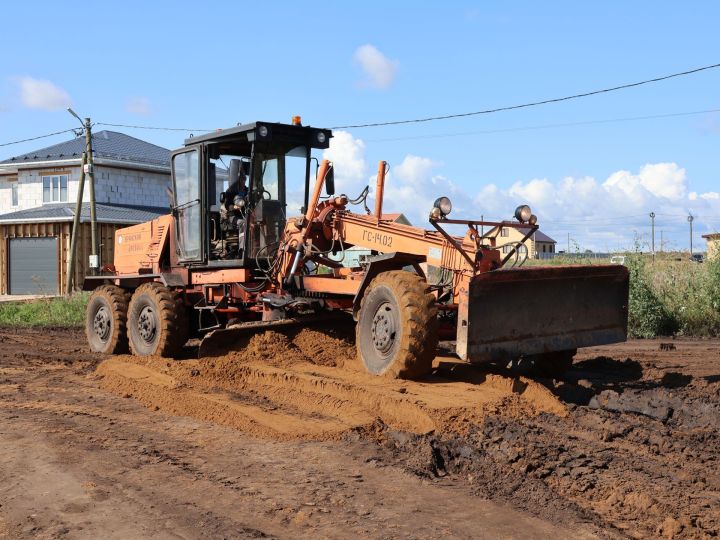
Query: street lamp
pixel 652 221
pixel 69 109
pixel 690 220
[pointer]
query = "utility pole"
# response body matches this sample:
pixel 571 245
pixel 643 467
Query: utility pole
pixel 690 220
pixel 70 274
pixel 662 242
pixel 652 225
pixel 87 169
pixel 568 248
pixel 93 216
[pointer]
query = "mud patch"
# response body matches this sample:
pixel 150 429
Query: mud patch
pixel 641 461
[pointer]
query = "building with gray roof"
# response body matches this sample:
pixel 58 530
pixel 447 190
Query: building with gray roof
pixel 38 193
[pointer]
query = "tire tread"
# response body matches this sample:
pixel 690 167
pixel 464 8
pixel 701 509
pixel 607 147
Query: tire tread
pixel 117 299
pixel 172 319
pixel 418 318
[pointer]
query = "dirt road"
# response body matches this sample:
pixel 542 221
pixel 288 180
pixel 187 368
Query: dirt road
pixel 287 438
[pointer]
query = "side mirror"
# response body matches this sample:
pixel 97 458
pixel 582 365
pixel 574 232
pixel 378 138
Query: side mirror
pixel 330 181
pixel 222 197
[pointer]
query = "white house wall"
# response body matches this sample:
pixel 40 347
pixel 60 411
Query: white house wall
pixel 112 185
pixel 137 188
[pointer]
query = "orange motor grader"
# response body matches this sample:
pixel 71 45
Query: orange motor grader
pixel 228 260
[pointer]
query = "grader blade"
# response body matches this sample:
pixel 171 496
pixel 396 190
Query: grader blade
pixel 510 313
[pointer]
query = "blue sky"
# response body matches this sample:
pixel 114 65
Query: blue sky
pixel 208 66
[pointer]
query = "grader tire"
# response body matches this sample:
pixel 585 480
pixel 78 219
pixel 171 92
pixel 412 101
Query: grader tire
pixel 396 333
pixel 106 320
pixel 157 321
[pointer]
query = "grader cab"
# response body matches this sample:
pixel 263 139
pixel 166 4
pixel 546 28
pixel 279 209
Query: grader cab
pixel 228 260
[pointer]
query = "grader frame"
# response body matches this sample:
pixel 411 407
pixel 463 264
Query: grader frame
pixel 493 313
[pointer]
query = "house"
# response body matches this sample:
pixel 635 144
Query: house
pixel 38 194
pixel 537 244
pixel 713 245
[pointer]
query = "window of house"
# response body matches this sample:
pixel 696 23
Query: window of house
pixel 507 249
pixel 544 248
pixel 14 191
pixel 505 232
pixel 55 188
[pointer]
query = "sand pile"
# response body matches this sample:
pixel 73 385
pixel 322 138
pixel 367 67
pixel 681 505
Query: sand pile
pixel 306 384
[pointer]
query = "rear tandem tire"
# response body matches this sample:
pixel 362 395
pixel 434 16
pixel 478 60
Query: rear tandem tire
pixel 106 320
pixel 157 321
pixel 396 333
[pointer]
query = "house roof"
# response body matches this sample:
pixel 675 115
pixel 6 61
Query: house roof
pixel 106 144
pixel 396 217
pixel 539 236
pixel 712 236
pixel 105 213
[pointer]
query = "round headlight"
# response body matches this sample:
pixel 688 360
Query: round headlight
pixel 444 204
pixel 532 220
pixel 435 213
pixel 263 131
pixel 523 213
pixel 321 138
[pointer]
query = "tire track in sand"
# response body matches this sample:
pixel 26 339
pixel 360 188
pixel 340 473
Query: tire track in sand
pixel 279 393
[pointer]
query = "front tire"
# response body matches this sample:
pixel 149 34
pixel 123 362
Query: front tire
pixel 106 320
pixel 157 322
pixel 396 333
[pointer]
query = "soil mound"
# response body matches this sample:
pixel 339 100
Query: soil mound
pixel 305 384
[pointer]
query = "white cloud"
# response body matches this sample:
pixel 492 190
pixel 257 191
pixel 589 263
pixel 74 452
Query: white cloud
pixel 348 156
pixel 665 180
pixel 606 214
pixel 413 185
pixel 379 70
pixel 138 105
pixel 42 94
pixel 599 214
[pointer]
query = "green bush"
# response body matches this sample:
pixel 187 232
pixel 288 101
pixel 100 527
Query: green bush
pixel 648 315
pixel 669 294
pixel 67 312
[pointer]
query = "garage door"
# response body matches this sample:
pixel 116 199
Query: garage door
pixel 33 266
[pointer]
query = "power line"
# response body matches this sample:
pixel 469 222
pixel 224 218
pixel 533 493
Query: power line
pixel 459 115
pixel 152 127
pixel 544 126
pixel 464 133
pixel 531 104
pixel 36 138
